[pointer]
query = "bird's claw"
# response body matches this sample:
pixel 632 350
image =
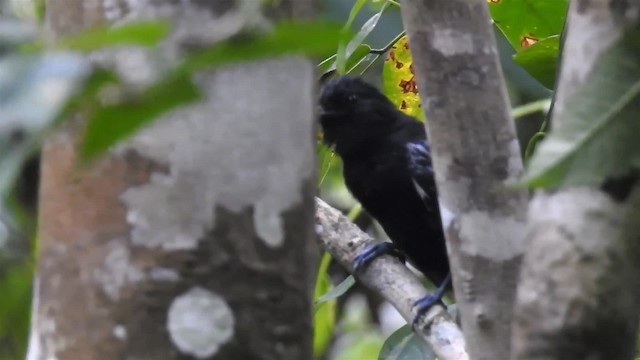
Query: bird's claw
pixel 422 305
pixel 365 257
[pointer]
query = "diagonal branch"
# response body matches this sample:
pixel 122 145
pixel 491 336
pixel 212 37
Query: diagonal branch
pixel 391 279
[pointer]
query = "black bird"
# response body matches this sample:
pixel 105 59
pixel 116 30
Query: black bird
pixel 387 167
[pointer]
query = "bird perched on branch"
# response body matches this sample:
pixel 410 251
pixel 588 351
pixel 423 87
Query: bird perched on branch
pixel 387 168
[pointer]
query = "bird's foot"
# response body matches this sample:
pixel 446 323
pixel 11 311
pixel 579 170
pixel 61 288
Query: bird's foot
pixel 365 257
pixel 424 304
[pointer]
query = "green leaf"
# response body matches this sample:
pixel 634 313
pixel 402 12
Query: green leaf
pixel 34 89
pixel 322 286
pixel 341 54
pixel 524 22
pixel 111 123
pixel 140 33
pixel 15 304
pixel 324 323
pixel 365 30
pixel 355 9
pixel 596 134
pixel 324 319
pixel 403 344
pixel 310 38
pixel 398 80
pixel 541 60
pixel 338 291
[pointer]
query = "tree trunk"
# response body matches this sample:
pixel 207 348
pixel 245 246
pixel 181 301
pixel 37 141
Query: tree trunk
pixel 579 294
pixel 194 239
pixel 475 154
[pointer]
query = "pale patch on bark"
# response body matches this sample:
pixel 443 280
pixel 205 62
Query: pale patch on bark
pixel 117 271
pixel 502 236
pixel 44 341
pixel 451 42
pixel 593 37
pixel 268 225
pixel 163 274
pixel 200 322
pixel 514 166
pixel 192 191
pixel 185 219
pixel 120 332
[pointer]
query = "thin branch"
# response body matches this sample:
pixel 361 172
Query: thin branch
pixel 391 279
pixel 386 48
pixel 382 51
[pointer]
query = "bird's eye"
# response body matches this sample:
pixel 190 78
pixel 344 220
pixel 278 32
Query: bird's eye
pixel 352 98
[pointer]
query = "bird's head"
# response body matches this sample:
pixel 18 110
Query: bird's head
pixel 353 111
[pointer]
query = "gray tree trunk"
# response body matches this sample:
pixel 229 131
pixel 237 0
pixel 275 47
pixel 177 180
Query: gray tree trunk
pixel 195 238
pixel 476 155
pixel 579 294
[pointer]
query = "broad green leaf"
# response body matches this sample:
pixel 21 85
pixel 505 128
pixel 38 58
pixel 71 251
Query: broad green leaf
pixel 541 60
pixel 403 344
pixel 398 80
pixel 34 89
pixel 525 22
pixel 596 134
pixel 357 57
pixel 140 33
pixel 365 30
pixel 111 123
pixel 341 54
pixel 338 291
pixel 310 38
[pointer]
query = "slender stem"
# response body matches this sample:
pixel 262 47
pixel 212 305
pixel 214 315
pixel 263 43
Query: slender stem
pixel 530 108
pixel 369 64
pixel 354 212
pixel 389 45
pixel 382 51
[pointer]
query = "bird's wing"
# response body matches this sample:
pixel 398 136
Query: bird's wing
pixel 421 170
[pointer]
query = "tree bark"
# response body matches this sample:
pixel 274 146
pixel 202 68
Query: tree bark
pixel 194 239
pixel 475 154
pixel 579 293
